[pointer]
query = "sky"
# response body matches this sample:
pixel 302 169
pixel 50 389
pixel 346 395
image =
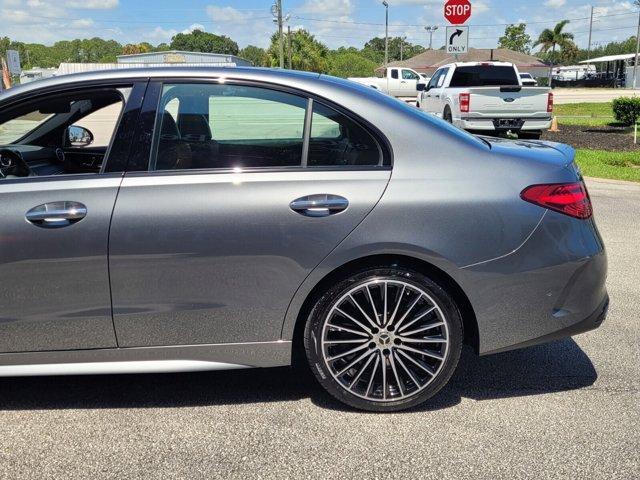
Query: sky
pixel 334 22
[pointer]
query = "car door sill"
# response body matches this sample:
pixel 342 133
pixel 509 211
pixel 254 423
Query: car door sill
pixel 164 359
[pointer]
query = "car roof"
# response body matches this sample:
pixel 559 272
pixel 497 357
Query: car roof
pixel 284 77
pixel 475 64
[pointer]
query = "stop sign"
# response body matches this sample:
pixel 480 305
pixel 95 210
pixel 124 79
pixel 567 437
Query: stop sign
pixel 457 11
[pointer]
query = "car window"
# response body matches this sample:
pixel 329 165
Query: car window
pixel 484 76
pixel 442 77
pixel 227 126
pixel 102 124
pixel 409 75
pixel 434 80
pixel 336 140
pixel 18 127
pixel 394 73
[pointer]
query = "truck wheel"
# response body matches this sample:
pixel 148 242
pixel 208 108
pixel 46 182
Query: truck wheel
pixel 446 115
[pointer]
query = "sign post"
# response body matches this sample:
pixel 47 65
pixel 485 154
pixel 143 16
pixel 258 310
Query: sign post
pixel 13 62
pixel 457 12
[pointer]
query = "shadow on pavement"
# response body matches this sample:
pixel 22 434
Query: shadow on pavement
pixel 554 367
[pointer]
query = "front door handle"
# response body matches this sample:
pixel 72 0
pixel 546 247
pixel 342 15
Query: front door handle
pixel 56 214
pixel 319 205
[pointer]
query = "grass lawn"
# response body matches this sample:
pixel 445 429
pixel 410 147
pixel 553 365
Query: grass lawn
pixel 615 165
pixel 595 114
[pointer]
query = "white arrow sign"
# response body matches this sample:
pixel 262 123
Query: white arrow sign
pixel 457 40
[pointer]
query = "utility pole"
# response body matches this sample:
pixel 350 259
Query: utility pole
pixel 276 10
pixel 635 62
pixel 590 30
pixel 402 48
pixel 290 54
pixel 386 33
pixel 430 30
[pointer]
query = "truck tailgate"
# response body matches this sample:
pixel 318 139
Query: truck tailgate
pixel 506 102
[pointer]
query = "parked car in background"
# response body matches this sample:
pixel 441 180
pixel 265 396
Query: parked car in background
pixel 397 82
pixel 242 217
pixel 527 80
pixel 487 97
pixel 572 73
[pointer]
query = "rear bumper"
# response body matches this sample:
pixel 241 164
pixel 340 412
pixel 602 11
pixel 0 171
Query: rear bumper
pixel 486 124
pixel 591 322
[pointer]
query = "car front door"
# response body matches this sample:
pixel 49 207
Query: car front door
pixel 427 99
pixel 53 253
pixel 408 83
pixel 248 188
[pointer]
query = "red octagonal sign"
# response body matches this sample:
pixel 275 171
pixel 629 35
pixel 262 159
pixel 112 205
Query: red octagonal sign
pixel 457 11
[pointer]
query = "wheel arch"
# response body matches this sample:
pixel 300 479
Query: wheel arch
pixel 469 321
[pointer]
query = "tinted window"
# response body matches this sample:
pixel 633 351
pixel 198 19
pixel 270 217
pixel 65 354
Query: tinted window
pixel 483 76
pixel 443 75
pixel 434 80
pixel 336 140
pixel 227 126
pixel 394 73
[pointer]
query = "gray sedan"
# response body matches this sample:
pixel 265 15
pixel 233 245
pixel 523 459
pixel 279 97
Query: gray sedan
pixel 184 219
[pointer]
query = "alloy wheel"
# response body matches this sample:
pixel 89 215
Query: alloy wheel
pixel 385 340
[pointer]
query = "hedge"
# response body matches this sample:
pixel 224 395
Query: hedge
pixel 627 110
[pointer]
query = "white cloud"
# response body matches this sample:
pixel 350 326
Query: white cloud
pixel 227 14
pixel 334 8
pixel 555 3
pixel 93 4
pixel 83 23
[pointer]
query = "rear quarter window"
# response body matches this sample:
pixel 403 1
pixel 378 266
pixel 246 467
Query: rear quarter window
pixel 483 76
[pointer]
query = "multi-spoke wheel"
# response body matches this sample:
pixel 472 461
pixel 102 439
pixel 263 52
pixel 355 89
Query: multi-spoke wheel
pixel 385 339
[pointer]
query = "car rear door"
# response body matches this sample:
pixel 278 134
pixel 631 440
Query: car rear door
pixel 242 192
pixel 53 257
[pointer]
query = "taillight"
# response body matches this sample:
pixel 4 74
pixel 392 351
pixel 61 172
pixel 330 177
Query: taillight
pixel 569 198
pixel 550 102
pixel 465 101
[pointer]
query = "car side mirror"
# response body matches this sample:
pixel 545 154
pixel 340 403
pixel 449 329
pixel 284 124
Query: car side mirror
pixel 421 87
pixel 78 136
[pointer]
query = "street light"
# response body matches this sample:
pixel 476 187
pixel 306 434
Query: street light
pixel 430 30
pixel 386 33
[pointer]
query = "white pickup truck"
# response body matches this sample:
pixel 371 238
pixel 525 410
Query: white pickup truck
pixel 398 82
pixel 487 97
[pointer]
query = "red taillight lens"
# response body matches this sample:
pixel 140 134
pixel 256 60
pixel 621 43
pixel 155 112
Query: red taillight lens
pixel 465 101
pixel 550 102
pixel 569 198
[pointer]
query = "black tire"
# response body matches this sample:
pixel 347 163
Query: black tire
pixel 314 331
pixel 530 135
pixel 446 115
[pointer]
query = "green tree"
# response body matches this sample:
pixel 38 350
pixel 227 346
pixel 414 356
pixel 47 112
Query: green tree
pixel 515 38
pixel 374 49
pixel 350 63
pixel 256 55
pixel 553 39
pixel 199 41
pixel 307 53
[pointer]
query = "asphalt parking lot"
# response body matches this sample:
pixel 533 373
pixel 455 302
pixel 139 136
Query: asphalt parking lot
pixel 570 409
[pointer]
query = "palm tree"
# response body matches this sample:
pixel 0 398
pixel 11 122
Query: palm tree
pixel 550 39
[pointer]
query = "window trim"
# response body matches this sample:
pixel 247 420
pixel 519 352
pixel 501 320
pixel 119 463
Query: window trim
pixel 154 97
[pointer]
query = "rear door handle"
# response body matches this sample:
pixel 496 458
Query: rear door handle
pixel 319 205
pixel 56 214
